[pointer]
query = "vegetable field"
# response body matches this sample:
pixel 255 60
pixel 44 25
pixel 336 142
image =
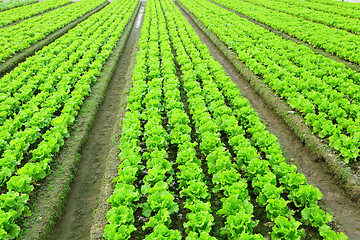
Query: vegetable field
pixel 5 5
pixel 130 125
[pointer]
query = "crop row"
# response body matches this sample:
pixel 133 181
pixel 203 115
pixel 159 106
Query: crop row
pixel 329 19
pixel 160 199
pixel 339 10
pixel 15 3
pixel 336 41
pixel 324 91
pixel 144 105
pixel 229 185
pixel 21 36
pixel 214 105
pixel 47 104
pixel 191 177
pixel 337 3
pixel 17 14
pixel 265 175
pixel 37 97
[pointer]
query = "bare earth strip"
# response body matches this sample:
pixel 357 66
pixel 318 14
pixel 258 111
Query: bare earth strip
pixel 77 218
pixel 122 73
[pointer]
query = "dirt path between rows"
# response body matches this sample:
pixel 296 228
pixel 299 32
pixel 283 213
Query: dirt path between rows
pixel 83 199
pixel 315 170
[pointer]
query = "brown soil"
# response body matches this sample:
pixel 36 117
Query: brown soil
pixel 286 36
pixel 316 171
pixel 112 161
pixel 77 218
pixel 17 58
pixel 46 204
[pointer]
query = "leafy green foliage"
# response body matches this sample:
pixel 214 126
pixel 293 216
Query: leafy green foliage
pixel 201 236
pixel 277 207
pixel 305 195
pixel 316 216
pixel 217 110
pixel 328 99
pixel 238 224
pixel 201 221
pixel 161 232
pixel 15 3
pixel 114 231
pixel 287 229
pixel 42 96
pixel 327 233
pixel 21 36
pixel 275 182
pixel 195 190
pixel 161 217
pixel 27 11
pixel 158 201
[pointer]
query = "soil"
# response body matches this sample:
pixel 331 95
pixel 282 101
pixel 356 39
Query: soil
pixel 113 161
pixel 286 36
pixel 316 171
pixel 85 189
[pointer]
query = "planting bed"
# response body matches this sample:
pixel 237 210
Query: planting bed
pixel 5 5
pixel 17 14
pixel 183 119
pixel 187 106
